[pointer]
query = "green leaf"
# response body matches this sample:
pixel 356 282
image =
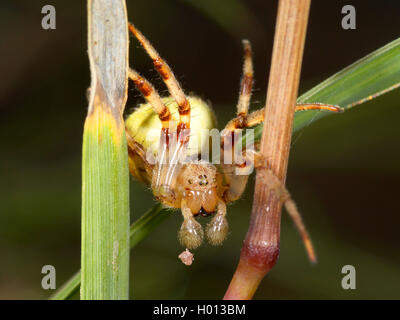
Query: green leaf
pixel 367 78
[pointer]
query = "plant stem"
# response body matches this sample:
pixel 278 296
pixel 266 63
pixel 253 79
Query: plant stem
pixel 260 250
pixel 105 175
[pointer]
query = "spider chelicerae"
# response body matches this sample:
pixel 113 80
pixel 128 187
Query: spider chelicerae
pixel 192 185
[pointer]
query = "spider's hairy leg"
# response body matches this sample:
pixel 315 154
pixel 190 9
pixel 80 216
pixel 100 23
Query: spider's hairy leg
pixel 272 181
pixel 169 79
pixel 318 106
pixel 246 86
pixel 237 185
pixel 257 116
pixel 217 229
pixel 235 168
pixel 152 97
pixel 191 233
pixel 144 171
pixel 236 182
pixel 133 146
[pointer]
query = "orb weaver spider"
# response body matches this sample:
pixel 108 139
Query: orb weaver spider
pixel 196 186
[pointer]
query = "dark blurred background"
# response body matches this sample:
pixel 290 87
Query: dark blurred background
pixel 344 170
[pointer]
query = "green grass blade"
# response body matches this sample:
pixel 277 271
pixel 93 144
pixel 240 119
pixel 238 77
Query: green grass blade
pixel 105 174
pixel 105 213
pixel 367 78
pixel 138 231
pixel 70 288
pixel 147 223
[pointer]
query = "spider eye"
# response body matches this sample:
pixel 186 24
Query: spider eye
pixel 203 180
pixel 190 181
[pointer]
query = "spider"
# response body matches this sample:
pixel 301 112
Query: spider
pixel 196 186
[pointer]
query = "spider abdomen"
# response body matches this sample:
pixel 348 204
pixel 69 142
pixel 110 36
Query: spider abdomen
pixel 144 127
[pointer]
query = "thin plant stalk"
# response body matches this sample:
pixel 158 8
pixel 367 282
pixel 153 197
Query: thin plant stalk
pixel 260 250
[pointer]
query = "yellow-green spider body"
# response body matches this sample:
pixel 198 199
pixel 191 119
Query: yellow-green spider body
pixel 144 126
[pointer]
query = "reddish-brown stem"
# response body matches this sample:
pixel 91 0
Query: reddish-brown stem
pixel 260 250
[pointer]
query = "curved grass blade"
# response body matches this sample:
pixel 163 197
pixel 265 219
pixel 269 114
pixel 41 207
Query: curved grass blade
pixel 362 81
pixel 138 231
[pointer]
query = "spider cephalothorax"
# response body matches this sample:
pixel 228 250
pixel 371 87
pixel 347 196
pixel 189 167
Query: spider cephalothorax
pixel 196 187
pixel 197 184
